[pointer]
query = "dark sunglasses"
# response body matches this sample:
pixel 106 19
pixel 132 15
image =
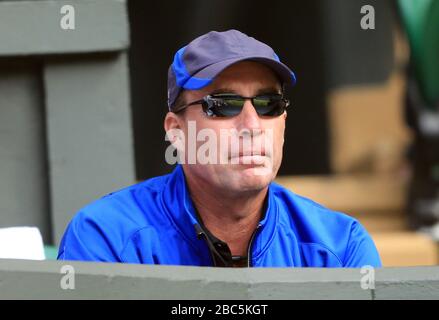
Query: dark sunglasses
pixel 230 105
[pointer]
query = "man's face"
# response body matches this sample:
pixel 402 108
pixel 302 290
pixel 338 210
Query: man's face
pixel 256 171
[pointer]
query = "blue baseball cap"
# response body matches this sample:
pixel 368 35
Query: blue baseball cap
pixel 198 63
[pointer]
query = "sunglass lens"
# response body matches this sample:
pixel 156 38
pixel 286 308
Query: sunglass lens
pixel 269 106
pixel 228 106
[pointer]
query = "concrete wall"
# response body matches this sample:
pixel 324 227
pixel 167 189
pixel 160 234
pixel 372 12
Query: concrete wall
pixel 42 280
pixel 24 193
pixel 65 116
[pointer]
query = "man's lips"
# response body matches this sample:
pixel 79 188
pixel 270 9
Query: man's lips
pixel 249 158
pixel 260 153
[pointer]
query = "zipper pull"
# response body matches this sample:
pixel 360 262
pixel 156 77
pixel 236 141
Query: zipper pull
pixel 249 250
pixel 199 231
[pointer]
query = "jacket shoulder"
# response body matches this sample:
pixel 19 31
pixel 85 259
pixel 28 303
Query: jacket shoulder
pixel 319 227
pixel 100 230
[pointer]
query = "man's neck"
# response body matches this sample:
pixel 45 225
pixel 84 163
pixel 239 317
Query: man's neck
pixel 230 217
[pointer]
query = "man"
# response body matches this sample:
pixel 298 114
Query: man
pixel 226 211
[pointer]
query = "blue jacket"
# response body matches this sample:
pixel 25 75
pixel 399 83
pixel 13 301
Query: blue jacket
pixel 153 222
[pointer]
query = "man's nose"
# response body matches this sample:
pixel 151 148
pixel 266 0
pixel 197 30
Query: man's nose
pixel 248 118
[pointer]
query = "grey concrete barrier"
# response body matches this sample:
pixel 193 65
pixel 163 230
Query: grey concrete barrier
pixel 34 27
pixel 20 279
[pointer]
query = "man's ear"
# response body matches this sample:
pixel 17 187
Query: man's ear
pixel 172 121
pixel 173 125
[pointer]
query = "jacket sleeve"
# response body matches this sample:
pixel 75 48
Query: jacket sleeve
pixel 361 250
pixel 87 240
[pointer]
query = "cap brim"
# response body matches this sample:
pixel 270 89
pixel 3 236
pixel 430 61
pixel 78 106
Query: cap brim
pixel 207 75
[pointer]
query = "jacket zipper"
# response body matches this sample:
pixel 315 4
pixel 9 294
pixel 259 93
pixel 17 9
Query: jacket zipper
pixel 249 249
pixel 201 233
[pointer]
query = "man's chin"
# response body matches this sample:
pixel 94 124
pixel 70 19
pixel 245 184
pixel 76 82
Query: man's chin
pixel 254 169
pixel 251 177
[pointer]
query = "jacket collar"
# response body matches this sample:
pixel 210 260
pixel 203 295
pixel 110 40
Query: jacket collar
pixel 180 209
